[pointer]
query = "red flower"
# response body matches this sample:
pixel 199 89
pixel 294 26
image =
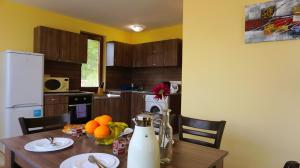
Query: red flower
pixel 160 91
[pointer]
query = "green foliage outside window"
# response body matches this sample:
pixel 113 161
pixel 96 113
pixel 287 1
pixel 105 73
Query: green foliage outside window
pixel 90 71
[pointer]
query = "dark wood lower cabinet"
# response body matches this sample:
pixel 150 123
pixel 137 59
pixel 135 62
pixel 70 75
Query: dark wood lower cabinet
pixel 126 107
pixel 51 110
pixel 55 105
pixel 100 107
pixel 137 104
pixel 115 107
pixel 122 108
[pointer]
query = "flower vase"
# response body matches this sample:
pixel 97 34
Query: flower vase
pixel 165 138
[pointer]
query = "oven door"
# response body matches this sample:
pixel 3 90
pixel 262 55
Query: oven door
pixel 80 113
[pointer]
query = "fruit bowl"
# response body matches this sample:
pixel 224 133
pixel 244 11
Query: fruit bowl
pixel 103 130
pixel 116 128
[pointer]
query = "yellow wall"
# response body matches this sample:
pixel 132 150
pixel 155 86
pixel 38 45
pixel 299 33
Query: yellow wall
pixel 164 33
pixel 18 21
pixel 254 87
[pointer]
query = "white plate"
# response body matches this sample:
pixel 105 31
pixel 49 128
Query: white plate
pixel 81 161
pixel 43 145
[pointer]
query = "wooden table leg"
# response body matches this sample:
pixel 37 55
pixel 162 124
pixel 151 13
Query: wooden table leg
pixel 9 161
pixel 220 164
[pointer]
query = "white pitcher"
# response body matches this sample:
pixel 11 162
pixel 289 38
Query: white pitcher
pixel 143 149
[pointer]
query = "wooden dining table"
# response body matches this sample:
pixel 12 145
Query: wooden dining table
pixel 185 155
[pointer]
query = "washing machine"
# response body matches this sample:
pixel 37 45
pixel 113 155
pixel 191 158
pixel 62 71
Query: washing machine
pixel 154 107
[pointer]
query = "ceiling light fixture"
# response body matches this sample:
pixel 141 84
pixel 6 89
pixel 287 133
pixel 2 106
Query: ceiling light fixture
pixel 137 28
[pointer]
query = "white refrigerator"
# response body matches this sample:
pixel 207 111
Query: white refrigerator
pixel 21 89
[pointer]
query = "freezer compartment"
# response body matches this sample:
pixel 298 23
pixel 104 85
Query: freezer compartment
pixel 12 126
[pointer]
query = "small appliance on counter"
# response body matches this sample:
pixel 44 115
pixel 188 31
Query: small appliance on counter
pixel 143 149
pixel 56 84
pixel 175 86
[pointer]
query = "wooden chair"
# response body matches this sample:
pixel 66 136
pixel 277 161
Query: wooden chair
pixel 291 164
pixel 42 124
pixel 215 126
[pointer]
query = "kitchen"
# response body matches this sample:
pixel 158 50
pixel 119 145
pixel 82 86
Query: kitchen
pixel 129 78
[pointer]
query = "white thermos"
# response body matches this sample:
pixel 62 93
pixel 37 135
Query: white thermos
pixel 143 149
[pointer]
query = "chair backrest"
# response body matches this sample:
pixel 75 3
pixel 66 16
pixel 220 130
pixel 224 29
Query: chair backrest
pixel 211 129
pixel 35 125
pixel 291 164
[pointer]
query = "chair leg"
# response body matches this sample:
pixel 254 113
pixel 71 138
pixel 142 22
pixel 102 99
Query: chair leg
pixel 219 165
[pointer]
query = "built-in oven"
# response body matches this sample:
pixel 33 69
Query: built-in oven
pixel 80 108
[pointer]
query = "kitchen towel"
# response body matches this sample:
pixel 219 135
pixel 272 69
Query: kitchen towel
pixel 81 111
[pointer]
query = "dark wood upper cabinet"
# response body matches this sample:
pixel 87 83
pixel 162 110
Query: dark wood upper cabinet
pixel 158 54
pixel 167 53
pixel 46 41
pixel 119 54
pixel 138 60
pixel 78 50
pixel 59 45
pixel 172 52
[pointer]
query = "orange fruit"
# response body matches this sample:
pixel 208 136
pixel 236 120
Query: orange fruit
pixel 102 131
pixel 91 126
pixel 104 119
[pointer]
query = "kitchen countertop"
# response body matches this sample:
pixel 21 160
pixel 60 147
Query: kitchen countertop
pixel 134 91
pixel 113 92
pixel 128 91
pixel 106 97
pixel 68 93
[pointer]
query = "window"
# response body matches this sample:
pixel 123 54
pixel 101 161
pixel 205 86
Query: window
pixel 91 72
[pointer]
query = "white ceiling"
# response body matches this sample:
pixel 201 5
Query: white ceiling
pixel 117 13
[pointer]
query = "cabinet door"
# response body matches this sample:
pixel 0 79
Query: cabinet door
pixel 119 54
pixel 172 52
pixel 114 108
pixel 126 107
pixel 46 41
pixel 65 47
pixel 122 54
pixel 138 60
pixel 137 104
pixel 147 55
pixel 51 110
pixel 157 54
pixel 55 105
pixel 77 48
pixel 127 62
pixel 83 48
pixel 100 107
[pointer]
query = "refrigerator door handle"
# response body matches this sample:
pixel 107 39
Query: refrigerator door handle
pixel 25 105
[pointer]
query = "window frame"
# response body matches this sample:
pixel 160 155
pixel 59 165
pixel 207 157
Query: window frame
pixel 99 38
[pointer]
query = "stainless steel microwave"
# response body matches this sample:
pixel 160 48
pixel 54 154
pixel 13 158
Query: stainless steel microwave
pixel 56 84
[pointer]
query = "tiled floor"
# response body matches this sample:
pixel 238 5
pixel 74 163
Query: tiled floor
pixel 1 159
